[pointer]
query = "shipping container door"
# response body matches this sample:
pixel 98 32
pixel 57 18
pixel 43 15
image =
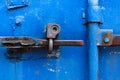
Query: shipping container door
pixel 31 21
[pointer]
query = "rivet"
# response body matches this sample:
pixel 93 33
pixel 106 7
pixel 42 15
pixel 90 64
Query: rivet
pixel 106 40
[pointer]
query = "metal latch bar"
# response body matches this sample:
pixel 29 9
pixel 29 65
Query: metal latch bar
pixel 116 40
pixel 64 42
pixel 30 42
pixel 51 42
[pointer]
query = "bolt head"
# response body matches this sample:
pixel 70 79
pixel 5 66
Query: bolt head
pixel 106 40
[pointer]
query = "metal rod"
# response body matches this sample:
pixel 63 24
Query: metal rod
pixel 93 20
pixel 50 45
pixel 31 43
pixel 116 40
pixel 93 52
pixel 64 42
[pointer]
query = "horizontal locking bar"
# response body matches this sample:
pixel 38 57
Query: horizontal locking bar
pixel 64 42
pixel 25 42
pixel 112 40
pixel 116 40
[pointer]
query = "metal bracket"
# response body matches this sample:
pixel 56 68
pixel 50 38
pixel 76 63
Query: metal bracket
pixel 52 32
pixel 106 38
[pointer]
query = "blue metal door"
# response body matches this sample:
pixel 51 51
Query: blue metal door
pixel 109 56
pixel 96 22
pixel 31 21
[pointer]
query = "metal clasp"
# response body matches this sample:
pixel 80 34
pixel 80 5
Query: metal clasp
pixel 52 31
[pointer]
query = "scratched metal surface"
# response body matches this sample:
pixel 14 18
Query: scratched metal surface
pixel 109 57
pixel 73 62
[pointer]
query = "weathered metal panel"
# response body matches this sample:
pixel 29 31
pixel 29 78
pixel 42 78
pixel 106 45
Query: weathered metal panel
pixel 96 22
pixel 109 57
pixel 32 21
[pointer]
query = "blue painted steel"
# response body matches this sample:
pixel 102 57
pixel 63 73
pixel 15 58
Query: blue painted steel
pixel 93 20
pixel 109 57
pixel 94 12
pixel 93 51
pixel 74 63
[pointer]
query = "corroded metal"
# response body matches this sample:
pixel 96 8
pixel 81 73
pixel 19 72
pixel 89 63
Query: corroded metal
pixel 107 39
pixel 16 43
pixel 116 40
pixel 52 31
pixel 25 42
pixel 64 42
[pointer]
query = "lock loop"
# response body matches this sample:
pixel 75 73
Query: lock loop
pixel 50 46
